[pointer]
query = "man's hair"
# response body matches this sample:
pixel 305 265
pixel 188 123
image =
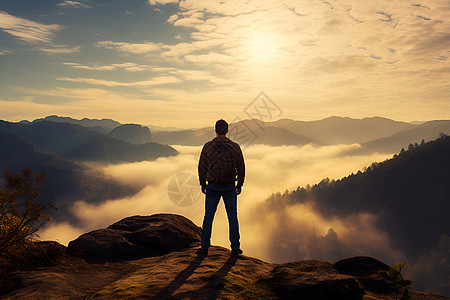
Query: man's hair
pixel 221 127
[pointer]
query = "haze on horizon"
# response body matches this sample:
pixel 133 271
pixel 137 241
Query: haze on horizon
pixel 187 63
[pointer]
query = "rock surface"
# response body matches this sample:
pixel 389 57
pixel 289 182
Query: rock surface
pixel 136 237
pixel 182 273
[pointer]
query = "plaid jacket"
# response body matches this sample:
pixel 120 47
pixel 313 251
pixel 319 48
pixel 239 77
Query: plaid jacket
pixel 221 161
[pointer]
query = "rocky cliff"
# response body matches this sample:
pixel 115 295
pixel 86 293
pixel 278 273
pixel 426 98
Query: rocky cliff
pixel 156 257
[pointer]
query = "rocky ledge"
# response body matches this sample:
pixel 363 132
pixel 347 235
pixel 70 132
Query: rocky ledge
pixel 156 257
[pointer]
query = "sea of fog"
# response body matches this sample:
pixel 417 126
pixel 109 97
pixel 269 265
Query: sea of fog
pixel 297 233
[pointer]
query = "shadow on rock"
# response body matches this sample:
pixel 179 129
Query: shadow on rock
pixel 215 283
pixel 178 281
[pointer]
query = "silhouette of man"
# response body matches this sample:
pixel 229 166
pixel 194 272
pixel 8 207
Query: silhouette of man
pixel 221 164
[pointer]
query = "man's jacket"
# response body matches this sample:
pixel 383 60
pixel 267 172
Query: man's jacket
pixel 221 161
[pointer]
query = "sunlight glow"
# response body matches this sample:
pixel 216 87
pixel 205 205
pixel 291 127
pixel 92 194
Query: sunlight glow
pixel 262 47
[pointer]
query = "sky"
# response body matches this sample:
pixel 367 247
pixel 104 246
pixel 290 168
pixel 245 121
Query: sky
pixel 189 63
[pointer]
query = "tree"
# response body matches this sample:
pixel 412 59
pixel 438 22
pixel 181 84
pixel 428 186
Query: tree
pixel 394 275
pixel 22 211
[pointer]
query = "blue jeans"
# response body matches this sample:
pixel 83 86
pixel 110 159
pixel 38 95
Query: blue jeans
pixel 213 193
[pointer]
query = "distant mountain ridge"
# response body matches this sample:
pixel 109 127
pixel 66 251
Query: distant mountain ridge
pixel 65 139
pixel 102 126
pixel 375 134
pixel 369 132
pixel 132 133
pixel 106 149
pixel 427 131
pixel 339 130
pixel 67 181
pixel 50 136
pixel 244 132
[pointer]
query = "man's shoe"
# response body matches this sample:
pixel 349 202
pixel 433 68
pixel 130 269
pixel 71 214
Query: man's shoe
pixel 202 251
pixel 236 251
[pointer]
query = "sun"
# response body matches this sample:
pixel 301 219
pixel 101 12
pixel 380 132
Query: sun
pixel 262 47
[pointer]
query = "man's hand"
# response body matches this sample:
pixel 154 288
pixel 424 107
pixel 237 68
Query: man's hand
pixel 238 190
pixel 204 189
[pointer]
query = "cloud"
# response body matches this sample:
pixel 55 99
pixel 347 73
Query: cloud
pixel 161 2
pixel 152 82
pixel 75 4
pixel 130 67
pixel 166 75
pixel 137 48
pixel 326 58
pixel 26 30
pixel 210 58
pixel 60 49
pixel 327 52
pixel 342 63
pixel 298 232
pixel 269 169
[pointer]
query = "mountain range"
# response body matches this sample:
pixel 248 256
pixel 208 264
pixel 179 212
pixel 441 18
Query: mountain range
pixel 106 149
pixel 102 126
pixel 337 130
pixel 374 134
pixel 124 143
pixel 66 181
pixel 58 146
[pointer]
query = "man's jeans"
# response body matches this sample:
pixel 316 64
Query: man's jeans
pixel 213 193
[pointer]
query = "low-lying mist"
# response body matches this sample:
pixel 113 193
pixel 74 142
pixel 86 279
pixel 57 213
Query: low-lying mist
pixel 275 235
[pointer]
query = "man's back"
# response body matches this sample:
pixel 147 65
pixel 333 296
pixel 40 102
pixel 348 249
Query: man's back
pixel 221 161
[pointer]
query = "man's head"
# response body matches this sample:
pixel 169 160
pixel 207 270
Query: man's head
pixel 221 127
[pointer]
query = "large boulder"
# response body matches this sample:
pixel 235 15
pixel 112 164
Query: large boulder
pixel 367 271
pixel 312 279
pixel 136 237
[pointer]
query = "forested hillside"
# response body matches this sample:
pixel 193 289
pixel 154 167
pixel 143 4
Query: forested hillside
pixel 410 193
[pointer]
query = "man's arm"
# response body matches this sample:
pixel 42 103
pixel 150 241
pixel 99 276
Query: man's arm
pixel 240 166
pixel 202 168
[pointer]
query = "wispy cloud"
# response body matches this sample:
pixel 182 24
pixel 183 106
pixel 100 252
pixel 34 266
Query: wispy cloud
pixel 109 83
pixel 137 48
pixel 425 18
pixel 421 6
pixel 26 30
pixel 60 49
pixel 75 4
pixel 130 67
pixel 317 57
pixel 155 2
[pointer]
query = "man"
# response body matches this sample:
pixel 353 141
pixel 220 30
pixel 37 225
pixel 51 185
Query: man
pixel 221 164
